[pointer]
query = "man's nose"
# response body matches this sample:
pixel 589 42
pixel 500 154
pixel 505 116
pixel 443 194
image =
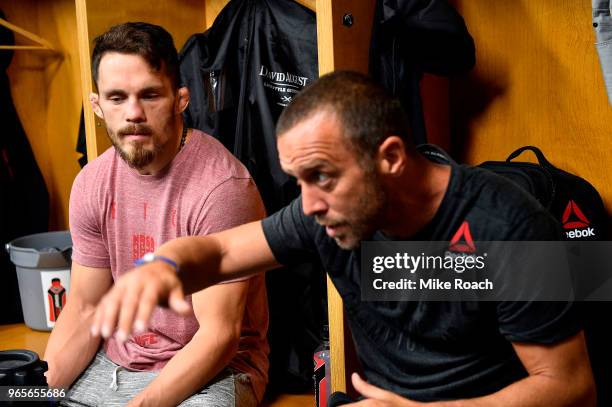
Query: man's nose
pixel 135 113
pixel 312 201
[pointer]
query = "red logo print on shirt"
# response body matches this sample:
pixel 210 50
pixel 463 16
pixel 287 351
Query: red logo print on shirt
pixel 145 340
pixel 578 219
pixel 141 244
pixel 462 240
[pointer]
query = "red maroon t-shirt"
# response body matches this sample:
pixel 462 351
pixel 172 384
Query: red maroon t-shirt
pixel 117 215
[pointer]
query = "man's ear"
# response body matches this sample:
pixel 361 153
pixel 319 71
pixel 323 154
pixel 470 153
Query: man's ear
pixel 94 99
pixel 391 156
pixel 183 99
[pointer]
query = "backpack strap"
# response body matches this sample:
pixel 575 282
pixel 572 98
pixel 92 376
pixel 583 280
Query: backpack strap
pixel 435 153
pixel 538 153
pixel 544 163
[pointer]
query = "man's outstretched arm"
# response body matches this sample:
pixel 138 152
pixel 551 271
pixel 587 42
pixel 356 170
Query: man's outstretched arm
pixel 203 261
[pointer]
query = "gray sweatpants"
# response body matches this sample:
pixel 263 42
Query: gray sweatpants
pixel 104 383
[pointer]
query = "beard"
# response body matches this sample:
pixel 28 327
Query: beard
pixel 137 156
pixel 365 217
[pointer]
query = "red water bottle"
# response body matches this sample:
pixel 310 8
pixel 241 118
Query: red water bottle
pixel 322 371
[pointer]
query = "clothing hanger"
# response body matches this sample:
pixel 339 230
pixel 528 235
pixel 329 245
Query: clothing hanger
pixel 311 4
pixel 43 45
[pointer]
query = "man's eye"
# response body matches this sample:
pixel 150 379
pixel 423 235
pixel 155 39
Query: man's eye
pixel 150 96
pixel 115 99
pixel 321 178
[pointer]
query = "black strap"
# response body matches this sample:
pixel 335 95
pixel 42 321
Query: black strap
pixel 544 163
pixel 435 153
pixel 539 154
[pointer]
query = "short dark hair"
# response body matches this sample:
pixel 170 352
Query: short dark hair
pixel 152 42
pixel 367 114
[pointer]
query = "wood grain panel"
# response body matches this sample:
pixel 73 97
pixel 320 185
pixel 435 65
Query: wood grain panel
pixel 19 336
pixel 537 81
pixel 180 18
pixel 93 149
pixel 45 89
pixel 213 8
pixel 342 46
pixel 290 400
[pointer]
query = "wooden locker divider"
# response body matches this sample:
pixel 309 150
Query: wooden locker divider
pixel 342 45
pixel 93 150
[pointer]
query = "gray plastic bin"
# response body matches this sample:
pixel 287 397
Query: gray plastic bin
pixel 43 263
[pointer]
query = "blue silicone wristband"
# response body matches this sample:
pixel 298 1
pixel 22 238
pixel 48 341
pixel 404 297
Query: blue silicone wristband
pixel 151 257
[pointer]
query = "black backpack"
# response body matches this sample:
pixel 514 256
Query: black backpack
pixel 572 200
pixel 577 205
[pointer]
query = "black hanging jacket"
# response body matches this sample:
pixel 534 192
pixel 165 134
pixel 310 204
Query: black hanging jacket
pixel 241 73
pixel 410 37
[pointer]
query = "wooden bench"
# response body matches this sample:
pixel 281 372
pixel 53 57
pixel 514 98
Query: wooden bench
pixel 291 400
pixel 19 336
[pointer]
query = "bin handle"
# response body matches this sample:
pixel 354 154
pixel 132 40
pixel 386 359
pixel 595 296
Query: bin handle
pixel 66 252
pixel 9 246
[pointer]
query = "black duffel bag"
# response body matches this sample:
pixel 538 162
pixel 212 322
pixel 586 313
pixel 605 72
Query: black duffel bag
pixel 572 200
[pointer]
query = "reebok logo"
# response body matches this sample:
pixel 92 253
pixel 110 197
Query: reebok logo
pixel 574 218
pixel 462 240
pixel 577 233
pixel 576 221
